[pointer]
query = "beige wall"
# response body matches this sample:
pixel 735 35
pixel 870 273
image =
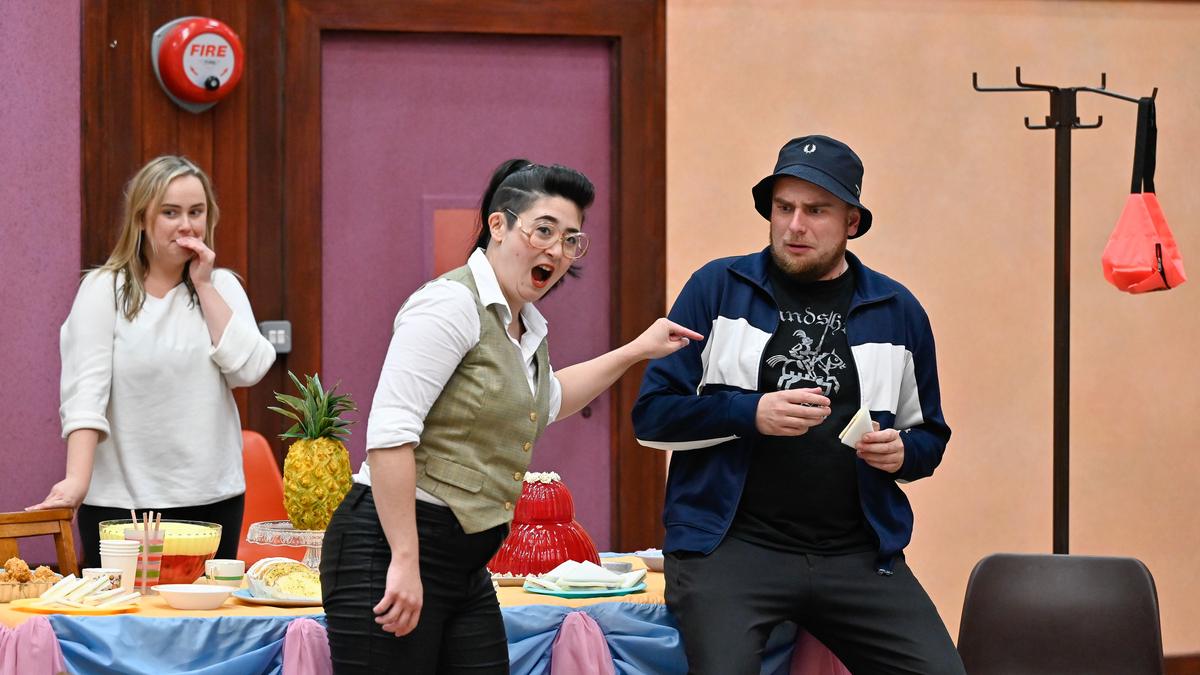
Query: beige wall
pixel 963 204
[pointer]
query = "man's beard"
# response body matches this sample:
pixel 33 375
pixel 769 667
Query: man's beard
pixel 810 269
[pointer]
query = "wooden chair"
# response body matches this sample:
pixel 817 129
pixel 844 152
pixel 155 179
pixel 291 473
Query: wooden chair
pixel 33 523
pixel 1060 615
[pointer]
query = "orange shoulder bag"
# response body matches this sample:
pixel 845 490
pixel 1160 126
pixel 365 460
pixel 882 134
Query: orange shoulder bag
pixel 1141 254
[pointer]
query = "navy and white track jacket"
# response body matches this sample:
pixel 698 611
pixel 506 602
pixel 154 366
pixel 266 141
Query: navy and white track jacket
pixel 702 399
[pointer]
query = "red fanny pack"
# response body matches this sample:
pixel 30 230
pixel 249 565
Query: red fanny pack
pixel 1141 254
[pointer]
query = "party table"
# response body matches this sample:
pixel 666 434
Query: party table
pixel 633 634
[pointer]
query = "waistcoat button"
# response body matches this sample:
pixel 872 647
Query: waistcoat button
pixel 517 476
pixel 508 506
pixel 533 417
pixel 528 446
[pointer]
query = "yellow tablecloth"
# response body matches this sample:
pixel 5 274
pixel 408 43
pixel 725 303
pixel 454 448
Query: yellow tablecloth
pixel 509 596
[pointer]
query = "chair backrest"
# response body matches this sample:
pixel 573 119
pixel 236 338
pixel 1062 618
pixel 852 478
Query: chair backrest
pixel 264 482
pixel 1060 615
pixel 55 522
pixel 264 498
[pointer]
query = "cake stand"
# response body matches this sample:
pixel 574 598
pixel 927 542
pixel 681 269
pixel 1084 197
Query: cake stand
pixel 281 533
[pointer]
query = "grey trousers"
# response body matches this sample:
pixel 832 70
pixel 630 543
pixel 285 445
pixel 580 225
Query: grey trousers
pixel 727 603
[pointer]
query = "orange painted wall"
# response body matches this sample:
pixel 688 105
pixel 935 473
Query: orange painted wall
pixel 963 204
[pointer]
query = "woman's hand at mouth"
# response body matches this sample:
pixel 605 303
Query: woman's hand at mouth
pixel 203 259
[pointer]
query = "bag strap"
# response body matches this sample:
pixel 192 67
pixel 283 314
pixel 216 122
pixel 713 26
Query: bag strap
pixel 1146 149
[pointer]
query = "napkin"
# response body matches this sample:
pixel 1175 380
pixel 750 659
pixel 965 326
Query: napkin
pixel 859 426
pixel 555 574
pixel 588 574
pixel 631 579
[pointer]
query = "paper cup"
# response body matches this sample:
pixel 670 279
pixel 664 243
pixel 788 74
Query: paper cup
pixel 114 545
pixel 125 562
pixel 225 572
pixel 114 575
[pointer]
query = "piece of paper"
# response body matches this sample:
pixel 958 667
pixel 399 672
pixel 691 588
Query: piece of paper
pixel 859 426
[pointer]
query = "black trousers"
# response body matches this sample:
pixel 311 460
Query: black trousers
pixel 728 602
pixel 227 513
pixel 460 629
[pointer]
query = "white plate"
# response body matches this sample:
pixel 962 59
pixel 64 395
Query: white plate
pixel 243 594
pixel 595 593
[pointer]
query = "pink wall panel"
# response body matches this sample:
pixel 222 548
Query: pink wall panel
pixel 413 124
pixel 39 228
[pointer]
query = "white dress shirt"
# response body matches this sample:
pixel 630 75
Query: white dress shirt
pixel 432 333
pixel 159 393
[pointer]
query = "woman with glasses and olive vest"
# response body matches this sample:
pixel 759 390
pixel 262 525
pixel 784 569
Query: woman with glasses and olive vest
pixel 465 392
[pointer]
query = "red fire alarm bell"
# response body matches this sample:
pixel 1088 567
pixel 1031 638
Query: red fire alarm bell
pixel 198 61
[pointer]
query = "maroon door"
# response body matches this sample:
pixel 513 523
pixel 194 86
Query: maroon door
pixel 412 126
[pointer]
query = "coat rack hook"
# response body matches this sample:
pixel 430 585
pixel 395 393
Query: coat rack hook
pixel 1099 121
pixel 975 84
pixel 1029 126
pixel 1028 85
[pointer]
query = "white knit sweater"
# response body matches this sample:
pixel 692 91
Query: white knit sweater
pixel 159 393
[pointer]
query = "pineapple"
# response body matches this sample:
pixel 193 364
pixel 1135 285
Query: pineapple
pixel 316 471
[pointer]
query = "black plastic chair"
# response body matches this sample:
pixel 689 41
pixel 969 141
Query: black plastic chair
pixel 1060 615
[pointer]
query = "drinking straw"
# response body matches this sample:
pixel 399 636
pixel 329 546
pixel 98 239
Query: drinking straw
pixel 134 517
pixel 146 546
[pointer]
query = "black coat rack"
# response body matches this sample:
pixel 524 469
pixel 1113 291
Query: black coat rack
pixel 1062 119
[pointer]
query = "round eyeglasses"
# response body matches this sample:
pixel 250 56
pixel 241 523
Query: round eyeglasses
pixel 546 235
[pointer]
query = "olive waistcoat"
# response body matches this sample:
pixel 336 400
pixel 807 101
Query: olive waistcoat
pixel 478 435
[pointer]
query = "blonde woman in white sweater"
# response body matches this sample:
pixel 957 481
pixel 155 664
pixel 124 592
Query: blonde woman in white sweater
pixel 155 343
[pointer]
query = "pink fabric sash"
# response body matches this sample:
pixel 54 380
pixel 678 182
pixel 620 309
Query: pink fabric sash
pixel 305 649
pixel 30 649
pixel 813 658
pixel 580 648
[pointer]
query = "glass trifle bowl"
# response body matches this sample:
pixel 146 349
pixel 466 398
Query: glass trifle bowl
pixel 186 545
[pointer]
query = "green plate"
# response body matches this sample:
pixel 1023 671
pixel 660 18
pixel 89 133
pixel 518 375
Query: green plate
pixel 606 593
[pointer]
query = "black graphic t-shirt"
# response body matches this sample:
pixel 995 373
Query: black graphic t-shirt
pixel 801 493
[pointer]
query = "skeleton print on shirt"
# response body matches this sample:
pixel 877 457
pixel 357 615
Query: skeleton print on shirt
pixel 813 359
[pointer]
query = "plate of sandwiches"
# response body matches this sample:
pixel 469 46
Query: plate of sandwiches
pixel 585 580
pixel 281 582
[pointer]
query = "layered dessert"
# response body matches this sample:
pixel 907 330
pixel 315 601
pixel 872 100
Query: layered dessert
pixel 186 545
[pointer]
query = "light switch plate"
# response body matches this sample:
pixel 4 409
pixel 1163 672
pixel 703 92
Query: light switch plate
pixel 278 333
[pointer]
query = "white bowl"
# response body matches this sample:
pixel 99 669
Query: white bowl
pixel 194 596
pixel 653 559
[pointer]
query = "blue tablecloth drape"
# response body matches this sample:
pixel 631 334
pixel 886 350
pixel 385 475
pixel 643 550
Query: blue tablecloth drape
pixel 643 639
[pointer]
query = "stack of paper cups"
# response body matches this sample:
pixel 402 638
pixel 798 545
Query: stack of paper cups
pixel 121 554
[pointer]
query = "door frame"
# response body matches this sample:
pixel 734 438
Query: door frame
pixel 637 31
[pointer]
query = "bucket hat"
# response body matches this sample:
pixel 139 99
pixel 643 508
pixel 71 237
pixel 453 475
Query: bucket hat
pixel 822 161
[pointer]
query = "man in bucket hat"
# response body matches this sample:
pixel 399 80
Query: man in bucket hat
pixel 770 515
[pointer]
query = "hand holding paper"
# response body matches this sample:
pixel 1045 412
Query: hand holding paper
pixel 882 449
pixel 860 425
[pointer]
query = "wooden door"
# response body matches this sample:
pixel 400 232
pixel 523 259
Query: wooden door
pixel 412 126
